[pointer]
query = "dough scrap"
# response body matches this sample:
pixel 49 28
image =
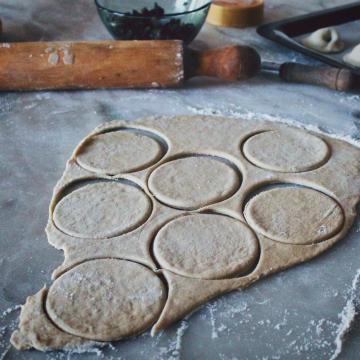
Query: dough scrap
pixel 286 150
pixel 294 215
pixel 193 182
pixel 106 299
pixel 326 40
pixel 102 210
pixel 206 246
pixel 353 57
pixel 117 152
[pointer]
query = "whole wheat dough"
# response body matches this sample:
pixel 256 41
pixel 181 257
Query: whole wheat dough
pixel 353 57
pixel 326 40
pixel 101 210
pixel 207 246
pixel 294 215
pixel 199 221
pixel 86 300
pixel 118 152
pixel 286 150
pixel 193 182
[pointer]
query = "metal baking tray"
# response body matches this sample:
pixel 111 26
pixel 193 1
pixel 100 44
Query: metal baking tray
pixel 345 19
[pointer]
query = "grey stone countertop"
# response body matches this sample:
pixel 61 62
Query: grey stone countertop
pixel 297 314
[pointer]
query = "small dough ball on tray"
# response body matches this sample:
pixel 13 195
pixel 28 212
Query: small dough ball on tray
pixel 326 40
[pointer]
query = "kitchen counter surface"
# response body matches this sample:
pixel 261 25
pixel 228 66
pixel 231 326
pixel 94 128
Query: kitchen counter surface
pixel 297 314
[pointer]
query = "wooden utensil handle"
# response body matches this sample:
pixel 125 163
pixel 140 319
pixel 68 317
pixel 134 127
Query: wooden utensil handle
pixel 333 78
pixel 228 63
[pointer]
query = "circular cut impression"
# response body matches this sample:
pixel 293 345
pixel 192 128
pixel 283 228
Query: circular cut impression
pixel 206 246
pixel 193 182
pixel 286 150
pixel 118 152
pixel 106 299
pixel 294 215
pixel 102 210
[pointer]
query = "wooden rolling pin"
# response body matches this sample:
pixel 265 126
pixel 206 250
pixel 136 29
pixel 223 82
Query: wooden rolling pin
pixel 116 64
pixel 140 64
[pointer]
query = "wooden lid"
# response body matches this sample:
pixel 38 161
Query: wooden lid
pixel 236 13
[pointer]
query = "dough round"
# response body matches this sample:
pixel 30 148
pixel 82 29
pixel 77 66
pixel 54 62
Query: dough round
pixel 106 299
pixel 353 57
pixel 193 182
pixel 294 215
pixel 286 150
pixel 117 152
pixel 206 246
pixel 326 40
pixel 102 210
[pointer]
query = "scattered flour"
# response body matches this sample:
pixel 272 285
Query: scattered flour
pixel 347 317
pixel 263 302
pixel 173 352
pixel 222 328
pixel 92 348
pixel 212 309
pixel 9 311
pixel 68 57
pixel 179 335
pixel 319 327
pixel 6 330
pixel 283 322
pixel 4 353
pixel 43 96
pixel 53 58
pixel 349 98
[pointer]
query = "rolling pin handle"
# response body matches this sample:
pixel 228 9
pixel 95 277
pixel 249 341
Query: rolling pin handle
pixel 333 78
pixel 227 63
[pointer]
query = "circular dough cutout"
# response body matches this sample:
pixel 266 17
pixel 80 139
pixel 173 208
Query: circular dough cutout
pixel 286 150
pixel 121 151
pixel 193 182
pixel 102 210
pixel 206 246
pixel 106 299
pixel 294 215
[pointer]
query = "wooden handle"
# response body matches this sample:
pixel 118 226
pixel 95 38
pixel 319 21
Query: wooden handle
pixel 333 78
pixel 90 65
pixel 228 63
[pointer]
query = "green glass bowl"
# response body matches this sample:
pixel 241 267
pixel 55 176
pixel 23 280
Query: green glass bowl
pixel 150 20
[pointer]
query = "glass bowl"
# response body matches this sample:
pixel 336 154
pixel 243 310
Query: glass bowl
pixel 150 20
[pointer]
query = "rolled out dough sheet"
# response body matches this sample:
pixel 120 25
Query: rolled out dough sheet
pixel 158 216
